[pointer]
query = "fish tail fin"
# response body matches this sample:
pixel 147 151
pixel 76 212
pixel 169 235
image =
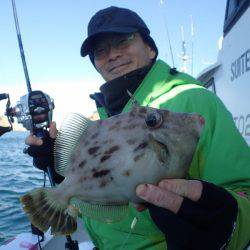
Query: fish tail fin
pixel 45 210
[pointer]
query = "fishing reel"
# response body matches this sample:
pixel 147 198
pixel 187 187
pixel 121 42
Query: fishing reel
pixel 33 111
pixel 4 129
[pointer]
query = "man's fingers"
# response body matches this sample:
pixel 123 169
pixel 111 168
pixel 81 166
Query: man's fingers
pixel 32 140
pixel 191 189
pixel 160 197
pixel 139 207
pixel 53 130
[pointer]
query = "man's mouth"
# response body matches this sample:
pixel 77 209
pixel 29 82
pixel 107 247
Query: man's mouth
pixel 117 67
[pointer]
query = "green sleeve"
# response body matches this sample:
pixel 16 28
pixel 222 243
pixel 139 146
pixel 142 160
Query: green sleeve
pixel 222 156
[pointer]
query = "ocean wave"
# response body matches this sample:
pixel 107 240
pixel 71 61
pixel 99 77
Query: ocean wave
pixel 17 176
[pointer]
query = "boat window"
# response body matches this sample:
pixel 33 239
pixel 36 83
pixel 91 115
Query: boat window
pixel 231 8
pixel 210 85
pixel 234 10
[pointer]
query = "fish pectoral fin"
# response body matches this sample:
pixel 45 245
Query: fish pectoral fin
pixel 73 127
pixel 159 148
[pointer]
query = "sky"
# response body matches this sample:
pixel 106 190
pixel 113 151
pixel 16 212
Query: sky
pixel 53 31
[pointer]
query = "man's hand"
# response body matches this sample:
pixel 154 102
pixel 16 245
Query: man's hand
pixel 42 148
pixel 193 214
pixel 169 194
pixel 32 140
pixel 42 151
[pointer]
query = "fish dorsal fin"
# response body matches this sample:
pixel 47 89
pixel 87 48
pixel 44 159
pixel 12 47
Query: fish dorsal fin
pixel 73 126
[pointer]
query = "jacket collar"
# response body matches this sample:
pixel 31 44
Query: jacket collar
pixel 160 79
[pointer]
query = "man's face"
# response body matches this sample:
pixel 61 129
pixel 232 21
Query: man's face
pixel 116 54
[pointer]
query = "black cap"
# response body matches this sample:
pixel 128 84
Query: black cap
pixel 116 20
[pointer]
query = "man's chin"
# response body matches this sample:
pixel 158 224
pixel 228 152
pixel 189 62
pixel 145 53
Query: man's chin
pixel 120 71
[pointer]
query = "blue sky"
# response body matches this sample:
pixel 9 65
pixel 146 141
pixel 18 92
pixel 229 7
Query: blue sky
pixel 52 33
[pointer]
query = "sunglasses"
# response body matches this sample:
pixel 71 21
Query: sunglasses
pixel 102 48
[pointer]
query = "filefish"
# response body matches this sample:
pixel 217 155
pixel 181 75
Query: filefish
pixel 103 161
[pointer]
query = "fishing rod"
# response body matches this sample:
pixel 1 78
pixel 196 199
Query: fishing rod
pixel 21 47
pixel 37 105
pixel 34 111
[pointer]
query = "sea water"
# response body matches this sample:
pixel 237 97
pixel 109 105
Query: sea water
pixel 17 176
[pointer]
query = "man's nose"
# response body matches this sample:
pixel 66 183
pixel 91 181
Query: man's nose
pixel 114 53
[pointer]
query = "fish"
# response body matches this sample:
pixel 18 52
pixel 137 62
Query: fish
pixel 104 161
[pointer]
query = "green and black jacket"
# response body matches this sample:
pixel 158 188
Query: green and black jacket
pixel 222 157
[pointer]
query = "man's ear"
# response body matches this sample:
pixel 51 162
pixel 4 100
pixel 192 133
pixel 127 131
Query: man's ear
pixel 151 53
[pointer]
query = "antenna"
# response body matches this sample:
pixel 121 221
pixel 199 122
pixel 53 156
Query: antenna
pixel 192 44
pixel 168 36
pixel 184 57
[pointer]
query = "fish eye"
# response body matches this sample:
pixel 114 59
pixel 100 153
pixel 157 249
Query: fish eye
pixel 154 120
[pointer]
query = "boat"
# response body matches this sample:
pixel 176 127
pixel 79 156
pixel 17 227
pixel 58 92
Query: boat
pixel 229 76
pixel 29 241
pixel 4 130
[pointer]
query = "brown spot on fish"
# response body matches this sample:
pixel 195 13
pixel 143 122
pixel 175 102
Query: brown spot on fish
pixel 94 135
pixel 104 158
pixel 111 150
pixel 95 155
pixel 138 157
pixel 93 150
pixel 113 127
pixel 132 114
pixel 103 183
pixel 118 123
pixel 95 142
pixel 28 200
pixel 82 179
pixel 82 164
pixel 107 141
pixel 130 120
pixel 141 116
pixel 130 126
pixel 88 188
pixel 101 173
pixel 143 110
pixel 126 173
pixel 73 158
pixel 141 146
pixel 131 141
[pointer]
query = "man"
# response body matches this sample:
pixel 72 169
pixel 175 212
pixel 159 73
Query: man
pixel 179 214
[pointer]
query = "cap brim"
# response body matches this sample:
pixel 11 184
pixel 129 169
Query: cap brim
pixel 86 45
